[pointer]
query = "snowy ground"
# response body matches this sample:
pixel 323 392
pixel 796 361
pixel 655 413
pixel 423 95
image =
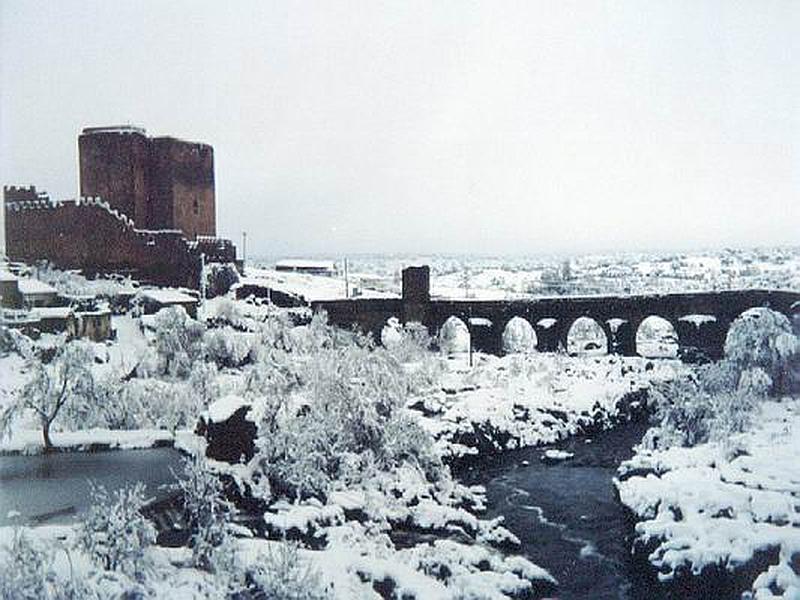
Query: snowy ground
pixel 312 288
pixel 529 400
pixel 397 530
pixel 723 506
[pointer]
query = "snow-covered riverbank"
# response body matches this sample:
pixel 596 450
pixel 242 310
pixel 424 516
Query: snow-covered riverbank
pixel 529 400
pixel 726 511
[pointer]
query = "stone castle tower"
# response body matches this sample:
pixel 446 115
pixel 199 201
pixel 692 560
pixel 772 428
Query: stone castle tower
pixel 160 183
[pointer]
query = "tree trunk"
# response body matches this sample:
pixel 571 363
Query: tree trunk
pixel 48 444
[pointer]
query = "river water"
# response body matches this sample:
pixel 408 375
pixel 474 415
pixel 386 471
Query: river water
pixel 567 516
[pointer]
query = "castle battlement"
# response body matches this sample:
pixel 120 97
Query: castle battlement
pixel 146 207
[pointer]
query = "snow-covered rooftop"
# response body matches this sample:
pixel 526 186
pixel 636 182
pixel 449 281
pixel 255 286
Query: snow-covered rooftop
pixel 305 264
pixel 167 296
pixel 52 312
pixel 34 286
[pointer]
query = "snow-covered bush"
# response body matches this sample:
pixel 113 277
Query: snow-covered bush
pixel 207 512
pixel 202 384
pixel 519 336
pixel 27 573
pixel 283 573
pixel 178 340
pixel 723 398
pixel 762 338
pixel 65 379
pixel 12 341
pixel 142 403
pixel 227 347
pixel 708 406
pixel 407 343
pixel 114 533
pixel 353 396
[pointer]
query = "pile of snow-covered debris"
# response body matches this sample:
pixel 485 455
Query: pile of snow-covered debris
pixel 727 510
pixel 528 400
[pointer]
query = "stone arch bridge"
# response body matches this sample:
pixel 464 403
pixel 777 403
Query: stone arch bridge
pixel 700 319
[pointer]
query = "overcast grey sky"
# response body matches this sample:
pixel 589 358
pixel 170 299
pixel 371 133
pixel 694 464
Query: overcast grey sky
pixel 491 127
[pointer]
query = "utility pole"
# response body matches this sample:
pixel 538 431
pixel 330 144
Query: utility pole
pixel 244 250
pixel 469 331
pixel 202 277
pixel 346 280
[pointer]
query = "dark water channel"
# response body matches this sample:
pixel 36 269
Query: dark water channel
pixel 567 516
pixel 54 488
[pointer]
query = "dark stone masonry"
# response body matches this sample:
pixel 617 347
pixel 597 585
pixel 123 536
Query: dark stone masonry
pixel 552 317
pixel 147 209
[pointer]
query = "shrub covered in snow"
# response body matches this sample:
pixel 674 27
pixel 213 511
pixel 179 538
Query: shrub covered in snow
pixel 283 573
pixel 407 343
pixel 207 512
pixel 220 277
pixel 227 347
pixel 27 573
pixel 351 411
pixel 706 406
pixel 722 398
pixel 114 533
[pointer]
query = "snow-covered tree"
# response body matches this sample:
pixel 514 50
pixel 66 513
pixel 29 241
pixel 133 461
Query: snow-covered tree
pixel 763 339
pixel 178 340
pixel 66 378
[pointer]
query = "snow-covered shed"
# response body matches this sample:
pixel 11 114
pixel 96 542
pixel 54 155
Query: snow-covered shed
pixel 9 290
pixel 37 293
pixel 153 300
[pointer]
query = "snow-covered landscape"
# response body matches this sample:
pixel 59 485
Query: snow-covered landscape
pixel 405 300
pixel 330 466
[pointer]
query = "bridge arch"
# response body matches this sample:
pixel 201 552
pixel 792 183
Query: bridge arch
pixel 656 337
pixel 453 336
pixel 586 336
pixel 392 333
pixel 519 336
